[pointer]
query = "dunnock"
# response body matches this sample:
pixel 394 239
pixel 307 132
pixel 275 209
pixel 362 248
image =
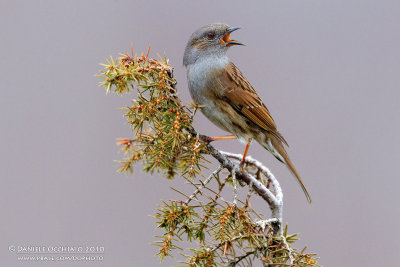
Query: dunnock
pixel 226 97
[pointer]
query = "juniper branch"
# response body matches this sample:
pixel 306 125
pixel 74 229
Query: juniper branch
pixel 165 140
pixel 274 202
pixel 203 184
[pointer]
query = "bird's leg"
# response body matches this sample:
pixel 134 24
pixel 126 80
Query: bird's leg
pixel 223 137
pixel 245 154
pixel 209 139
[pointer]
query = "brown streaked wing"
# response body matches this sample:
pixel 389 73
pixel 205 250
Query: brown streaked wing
pixel 242 96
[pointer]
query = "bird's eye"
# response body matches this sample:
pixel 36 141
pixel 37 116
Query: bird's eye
pixel 211 35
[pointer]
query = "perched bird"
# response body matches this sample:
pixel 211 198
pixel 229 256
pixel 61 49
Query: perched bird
pixel 227 98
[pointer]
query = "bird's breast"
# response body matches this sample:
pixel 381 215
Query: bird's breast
pixel 206 90
pixel 202 76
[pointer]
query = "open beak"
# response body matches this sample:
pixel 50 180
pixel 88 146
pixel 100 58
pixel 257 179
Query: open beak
pixel 227 40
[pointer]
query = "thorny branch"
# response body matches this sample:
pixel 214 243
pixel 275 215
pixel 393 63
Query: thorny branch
pixel 198 190
pixel 275 202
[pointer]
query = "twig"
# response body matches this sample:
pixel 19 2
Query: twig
pixel 233 239
pixel 264 223
pixel 240 258
pixel 274 201
pixel 263 169
pixel 290 251
pixel 204 183
pixel 235 191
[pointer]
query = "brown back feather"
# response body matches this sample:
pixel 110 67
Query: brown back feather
pixel 242 96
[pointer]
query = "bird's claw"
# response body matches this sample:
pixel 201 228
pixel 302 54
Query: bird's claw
pixel 241 166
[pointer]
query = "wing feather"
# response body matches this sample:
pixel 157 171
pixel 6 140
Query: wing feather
pixel 242 96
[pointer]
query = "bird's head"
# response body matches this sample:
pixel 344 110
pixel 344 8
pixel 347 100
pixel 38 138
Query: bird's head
pixel 211 39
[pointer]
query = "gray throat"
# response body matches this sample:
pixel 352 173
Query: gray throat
pixel 192 55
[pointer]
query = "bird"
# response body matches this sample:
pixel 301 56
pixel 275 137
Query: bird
pixel 226 97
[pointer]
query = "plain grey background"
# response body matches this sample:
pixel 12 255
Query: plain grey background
pixel 329 71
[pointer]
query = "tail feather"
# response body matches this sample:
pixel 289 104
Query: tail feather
pixel 277 149
pixel 292 169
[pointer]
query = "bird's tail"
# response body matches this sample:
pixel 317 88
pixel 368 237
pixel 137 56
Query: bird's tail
pixel 277 149
pixel 293 170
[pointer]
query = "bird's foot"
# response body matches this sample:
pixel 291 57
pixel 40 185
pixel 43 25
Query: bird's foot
pixel 241 165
